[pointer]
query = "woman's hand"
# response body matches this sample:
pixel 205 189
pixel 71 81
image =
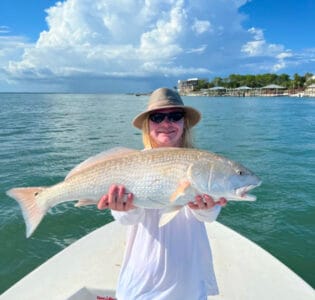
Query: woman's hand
pixel 116 199
pixel 206 202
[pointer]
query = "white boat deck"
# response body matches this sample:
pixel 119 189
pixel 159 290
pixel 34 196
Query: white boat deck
pixel 89 268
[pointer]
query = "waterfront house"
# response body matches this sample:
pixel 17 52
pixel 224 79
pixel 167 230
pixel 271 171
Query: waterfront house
pixel 241 91
pixel 310 91
pixel 217 91
pixel 187 86
pixel 272 90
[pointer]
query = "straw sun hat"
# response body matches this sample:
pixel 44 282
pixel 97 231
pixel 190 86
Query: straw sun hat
pixel 167 98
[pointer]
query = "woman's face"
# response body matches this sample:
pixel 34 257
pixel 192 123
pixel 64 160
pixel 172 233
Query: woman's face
pixel 167 133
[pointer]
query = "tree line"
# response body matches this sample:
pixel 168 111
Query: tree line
pixel 258 81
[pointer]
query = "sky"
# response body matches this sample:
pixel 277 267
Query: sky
pixel 138 45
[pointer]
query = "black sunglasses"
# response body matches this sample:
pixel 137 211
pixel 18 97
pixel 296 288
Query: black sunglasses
pixel 173 116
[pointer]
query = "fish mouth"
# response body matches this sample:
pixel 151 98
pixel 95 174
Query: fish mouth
pixel 242 192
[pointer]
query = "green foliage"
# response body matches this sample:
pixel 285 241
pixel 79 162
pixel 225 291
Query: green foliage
pixel 260 80
pixel 202 84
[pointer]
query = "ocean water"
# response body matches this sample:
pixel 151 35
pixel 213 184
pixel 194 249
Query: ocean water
pixel 43 136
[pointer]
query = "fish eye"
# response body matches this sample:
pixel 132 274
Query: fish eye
pixel 240 172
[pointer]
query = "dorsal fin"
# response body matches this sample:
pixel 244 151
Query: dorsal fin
pixel 103 156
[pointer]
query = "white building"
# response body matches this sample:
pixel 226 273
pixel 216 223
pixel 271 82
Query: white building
pixel 310 91
pixel 188 85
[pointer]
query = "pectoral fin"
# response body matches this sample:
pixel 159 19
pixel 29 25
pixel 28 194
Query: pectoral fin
pixel 168 214
pixel 180 191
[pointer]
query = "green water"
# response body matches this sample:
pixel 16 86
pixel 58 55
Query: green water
pixel 42 136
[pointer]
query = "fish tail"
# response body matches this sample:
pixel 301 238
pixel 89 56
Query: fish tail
pixel 32 212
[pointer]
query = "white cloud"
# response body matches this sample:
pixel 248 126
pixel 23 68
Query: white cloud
pixel 144 39
pixel 199 50
pixel 4 29
pixel 105 37
pixel 258 46
pixel 200 26
pixel 11 47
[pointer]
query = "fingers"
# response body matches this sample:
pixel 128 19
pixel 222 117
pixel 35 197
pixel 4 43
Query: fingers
pixel 103 203
pixel 129 203
pixel 202 202
pixel 222 202
pixel 206 201
pixel 116 199
pixel 113 196
pixel 209 201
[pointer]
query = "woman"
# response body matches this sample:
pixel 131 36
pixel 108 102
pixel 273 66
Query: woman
pixel 174 261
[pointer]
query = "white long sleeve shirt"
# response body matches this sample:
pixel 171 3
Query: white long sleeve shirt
pixel 173 262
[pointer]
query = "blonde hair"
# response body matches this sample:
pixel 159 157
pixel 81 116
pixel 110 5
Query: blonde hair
pixel 149 142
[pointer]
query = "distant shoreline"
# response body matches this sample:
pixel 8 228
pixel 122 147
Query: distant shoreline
pixel 200 94
pixel 302 94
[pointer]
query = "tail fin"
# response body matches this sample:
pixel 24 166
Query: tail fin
pixel 32 212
